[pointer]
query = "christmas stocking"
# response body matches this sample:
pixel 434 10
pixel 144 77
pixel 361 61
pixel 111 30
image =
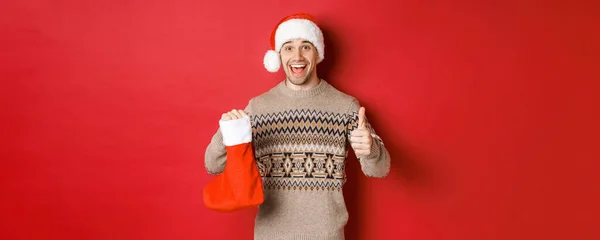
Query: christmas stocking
pixel 240 184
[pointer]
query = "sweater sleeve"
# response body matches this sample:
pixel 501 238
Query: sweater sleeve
pixel 376 164
pixel 216 155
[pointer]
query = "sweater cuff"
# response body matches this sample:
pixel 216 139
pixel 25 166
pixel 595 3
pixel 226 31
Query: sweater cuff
pixel 236 131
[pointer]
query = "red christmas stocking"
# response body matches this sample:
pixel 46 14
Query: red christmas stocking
pixel 240 184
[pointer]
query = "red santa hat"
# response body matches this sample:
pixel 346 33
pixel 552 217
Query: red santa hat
pixel 300 25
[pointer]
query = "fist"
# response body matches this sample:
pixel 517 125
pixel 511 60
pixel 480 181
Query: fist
pixel 360 138
pixel 233 115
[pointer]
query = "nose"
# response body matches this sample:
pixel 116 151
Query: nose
pixel 297 54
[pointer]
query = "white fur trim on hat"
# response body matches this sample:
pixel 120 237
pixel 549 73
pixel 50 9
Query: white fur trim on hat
pixel 271 61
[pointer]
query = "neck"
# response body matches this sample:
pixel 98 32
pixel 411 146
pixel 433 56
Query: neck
pixel 312 92
pixel 312 82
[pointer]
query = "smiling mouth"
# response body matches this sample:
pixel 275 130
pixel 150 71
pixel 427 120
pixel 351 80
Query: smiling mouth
pixel 297 68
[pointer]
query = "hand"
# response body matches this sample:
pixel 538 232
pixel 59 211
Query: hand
pixel 360 138
pixel 233 115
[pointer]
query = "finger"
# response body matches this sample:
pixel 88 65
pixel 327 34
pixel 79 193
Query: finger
pixel 359 146
pixel 360 133
pixel 355 139
pixel 243 113
pixel 364 144
pixel 362 140
pixel 362 152
pixel 236 113
pixel 232 116
pixel 365 153
pixel 361 117
pixel 359 152
pixel 225 117
pixel 358 139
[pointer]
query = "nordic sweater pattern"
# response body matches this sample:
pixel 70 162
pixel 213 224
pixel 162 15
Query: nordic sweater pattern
pixel 301 141
pixel 303 149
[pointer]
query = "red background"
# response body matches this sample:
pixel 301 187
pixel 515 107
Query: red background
pixel 486 107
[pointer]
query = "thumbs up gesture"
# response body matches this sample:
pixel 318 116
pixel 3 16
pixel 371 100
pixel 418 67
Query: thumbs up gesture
pixel 360 138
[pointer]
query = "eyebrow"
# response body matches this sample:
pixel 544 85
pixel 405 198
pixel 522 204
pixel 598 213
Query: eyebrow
pixel 291 42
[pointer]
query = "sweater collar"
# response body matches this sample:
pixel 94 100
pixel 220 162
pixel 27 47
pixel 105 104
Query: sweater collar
pixel 323 85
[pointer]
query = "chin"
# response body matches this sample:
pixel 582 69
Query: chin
pixel 298 81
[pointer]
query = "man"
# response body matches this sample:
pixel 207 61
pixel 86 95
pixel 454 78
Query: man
pixel 301 131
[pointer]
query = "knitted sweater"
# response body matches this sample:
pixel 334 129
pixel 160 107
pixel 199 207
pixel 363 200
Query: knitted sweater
pixel 301 140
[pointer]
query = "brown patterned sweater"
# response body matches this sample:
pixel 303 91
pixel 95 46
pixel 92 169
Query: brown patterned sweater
pixel 301 140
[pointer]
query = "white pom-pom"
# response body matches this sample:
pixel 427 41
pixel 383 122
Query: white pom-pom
pixel 271 61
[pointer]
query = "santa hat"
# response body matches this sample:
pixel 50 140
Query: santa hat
pixel 299 25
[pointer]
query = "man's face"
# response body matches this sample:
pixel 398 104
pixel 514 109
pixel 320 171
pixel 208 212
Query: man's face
pixel 299 60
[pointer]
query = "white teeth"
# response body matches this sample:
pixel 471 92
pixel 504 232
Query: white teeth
pixel 298 66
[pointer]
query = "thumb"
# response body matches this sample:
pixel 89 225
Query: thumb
pixel 361 117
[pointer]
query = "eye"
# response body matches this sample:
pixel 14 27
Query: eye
pixel 306 47
pixel 287 48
